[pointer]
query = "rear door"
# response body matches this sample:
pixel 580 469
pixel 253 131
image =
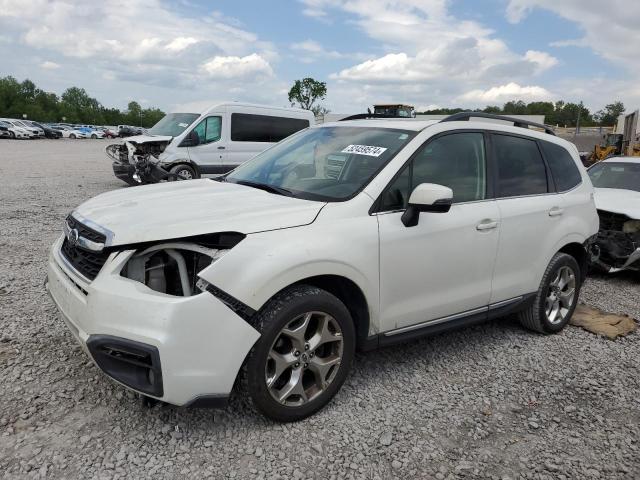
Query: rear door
pixel 530 211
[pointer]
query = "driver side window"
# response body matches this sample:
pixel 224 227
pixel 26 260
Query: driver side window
pixel 208 130
pixel 456 161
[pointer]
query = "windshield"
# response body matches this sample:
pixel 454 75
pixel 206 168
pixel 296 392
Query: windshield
pixel 616 175
pixel 326 163
pixel 173 124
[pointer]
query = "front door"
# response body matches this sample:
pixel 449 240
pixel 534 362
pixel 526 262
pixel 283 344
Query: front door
pixel 208 149
pixel 444 265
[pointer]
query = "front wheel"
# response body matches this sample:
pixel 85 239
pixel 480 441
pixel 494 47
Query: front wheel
pixel 303 356
pixel 183 172
pixel 94 136
pixel 72 135
pixel 556 298
pixel 12 135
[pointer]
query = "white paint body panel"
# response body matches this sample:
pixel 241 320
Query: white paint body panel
pixel 443 266
pixel 616 200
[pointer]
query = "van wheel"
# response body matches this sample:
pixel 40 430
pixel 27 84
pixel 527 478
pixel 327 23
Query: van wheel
pixel 556 298
pixel 303 355
pixel 183 172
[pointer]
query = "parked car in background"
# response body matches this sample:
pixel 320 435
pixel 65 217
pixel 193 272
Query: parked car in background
pixel 91 132
pixel 110 132
pixel 617 195
pixel 17 131
pixel 31 132
pixel 70 132
pixel 28 125
pixel 190 145
pixel 48 131
pixel 4 130
pixel 359 233
pixel 129 131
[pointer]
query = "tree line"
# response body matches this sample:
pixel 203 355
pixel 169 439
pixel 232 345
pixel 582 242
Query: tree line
pixel 76 106
pixel 559 113
pixel 73 106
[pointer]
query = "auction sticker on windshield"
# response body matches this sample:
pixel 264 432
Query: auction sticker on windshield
pixel 364 150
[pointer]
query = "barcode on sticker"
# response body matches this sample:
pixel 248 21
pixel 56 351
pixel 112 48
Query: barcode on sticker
pixel 364 150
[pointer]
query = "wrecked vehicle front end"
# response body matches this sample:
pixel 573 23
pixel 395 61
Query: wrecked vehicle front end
pixel 137 160
pixel 617 246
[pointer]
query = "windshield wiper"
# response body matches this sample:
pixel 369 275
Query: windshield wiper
pixel 266 187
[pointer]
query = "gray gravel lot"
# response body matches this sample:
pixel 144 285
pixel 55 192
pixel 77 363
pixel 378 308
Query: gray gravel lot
pixel 493 401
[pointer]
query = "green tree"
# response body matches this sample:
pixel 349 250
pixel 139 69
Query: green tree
pixel 609 116
pixel 306 92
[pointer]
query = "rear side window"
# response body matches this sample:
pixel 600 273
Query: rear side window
pixel 563 168
pixel 263 128
pixel 521 170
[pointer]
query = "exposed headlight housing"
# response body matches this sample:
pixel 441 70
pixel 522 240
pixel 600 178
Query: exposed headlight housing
pixel 631 226
pixel 172 267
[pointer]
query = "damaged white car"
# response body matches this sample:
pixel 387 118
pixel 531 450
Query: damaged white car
pixel 617 194
pixel 348 235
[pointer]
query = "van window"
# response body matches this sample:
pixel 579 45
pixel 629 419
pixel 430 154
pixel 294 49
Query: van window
pixel 263 128
pixel 563 168
pixel 456 161
pixel 521 170
pixel 208 130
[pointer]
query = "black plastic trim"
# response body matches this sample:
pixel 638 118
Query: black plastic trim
pixel 129 362
pixel 208 401
pixel 500 310
pixel 213 169
pixel 241 309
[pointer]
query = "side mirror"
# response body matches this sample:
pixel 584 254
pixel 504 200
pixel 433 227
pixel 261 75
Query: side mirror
pixel 191 140
pixel 427 197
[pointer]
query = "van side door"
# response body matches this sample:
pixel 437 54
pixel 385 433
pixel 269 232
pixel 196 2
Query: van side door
pixel 252 133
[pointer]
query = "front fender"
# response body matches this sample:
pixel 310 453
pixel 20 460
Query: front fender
pixel 265 263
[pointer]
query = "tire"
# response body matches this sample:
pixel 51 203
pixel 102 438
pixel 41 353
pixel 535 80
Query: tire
pixel 94 136
pixel 322 366
pixel 183 172
pixel 72 135
pixel 551 309
pixel 12 135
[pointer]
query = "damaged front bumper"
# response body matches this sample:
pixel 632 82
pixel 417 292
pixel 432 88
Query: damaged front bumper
pixel 180 350
pixel 614 249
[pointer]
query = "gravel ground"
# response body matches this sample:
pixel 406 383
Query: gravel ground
pixel 493 401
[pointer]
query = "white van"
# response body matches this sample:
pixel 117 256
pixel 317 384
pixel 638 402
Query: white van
pixel 192 145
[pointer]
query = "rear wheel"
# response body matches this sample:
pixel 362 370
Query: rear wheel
pixel 94 136
pixel 303 356
pixel 183 172
pixel 556 298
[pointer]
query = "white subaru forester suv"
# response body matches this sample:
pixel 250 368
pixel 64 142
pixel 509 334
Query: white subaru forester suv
pixel 354 234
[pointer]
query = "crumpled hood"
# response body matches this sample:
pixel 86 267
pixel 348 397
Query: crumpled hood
pixel 618 200
pixel 182 209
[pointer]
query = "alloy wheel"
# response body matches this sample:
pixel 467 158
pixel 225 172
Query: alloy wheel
pixel 560 295
pixel 304 358
pixel 185 174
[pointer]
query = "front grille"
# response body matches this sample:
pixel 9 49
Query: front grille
pixel 86 232
pixel 86 262
pixel 611 221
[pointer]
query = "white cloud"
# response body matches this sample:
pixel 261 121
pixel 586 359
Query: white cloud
pixel 234 67
pixel 611 30
pixel 542 59
pixel 180 43
pixel 504 93
pixel 47 65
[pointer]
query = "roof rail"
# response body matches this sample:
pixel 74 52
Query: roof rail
pixel 517 122
pixel 361 116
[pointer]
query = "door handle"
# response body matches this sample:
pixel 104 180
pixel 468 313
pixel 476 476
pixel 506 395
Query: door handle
pixel 556 212
pixel 221 148
pixel 486 225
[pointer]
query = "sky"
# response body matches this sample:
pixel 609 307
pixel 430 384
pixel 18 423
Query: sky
pixel 186 54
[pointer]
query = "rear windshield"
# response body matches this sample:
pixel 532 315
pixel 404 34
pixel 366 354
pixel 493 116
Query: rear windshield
pixel 173 124
pixel 616 175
